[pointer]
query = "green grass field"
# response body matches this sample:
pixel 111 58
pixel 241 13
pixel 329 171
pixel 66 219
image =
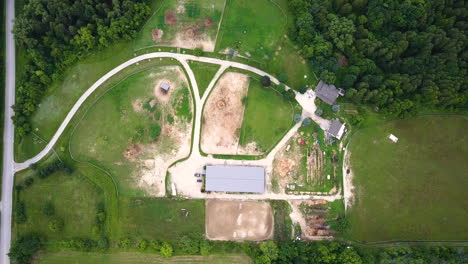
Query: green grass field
pixel 251 26
pixel 188 14
pixel 160 218
pixel 73 257
pixel 74 197
pixel 414 189
pixel 267 116
pixel 123 117
pixel 204 73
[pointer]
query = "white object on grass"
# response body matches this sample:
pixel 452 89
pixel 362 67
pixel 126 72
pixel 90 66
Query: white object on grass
pixel 393 138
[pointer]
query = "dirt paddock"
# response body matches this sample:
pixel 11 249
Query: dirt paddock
pixel 239 221
pixel 223 114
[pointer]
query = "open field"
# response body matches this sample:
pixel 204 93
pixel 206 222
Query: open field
pixel 414 189
pixel 231 220
pixel 73 196
pixel 204 73
pixel 138 130
pixel 164 219
pixel 185 24
pixel 223 114
pixel 253 33
pixel 267 117
pixel 74 257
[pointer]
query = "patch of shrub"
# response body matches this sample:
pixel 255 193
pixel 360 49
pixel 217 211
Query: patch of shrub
pixel 166 250
pixel 48 209
pixel 155 131
pixel 56 225
pixel 266 82
pixel 125 243
pixel 25 247
pixel 20 212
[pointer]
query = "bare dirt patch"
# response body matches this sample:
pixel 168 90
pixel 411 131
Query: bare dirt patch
pixel 157 34
pixel 286 164
pixel 310 215
pixel 153 159
pixel 223 115
pixel 170 18
pixel 137 105
pixel 239 221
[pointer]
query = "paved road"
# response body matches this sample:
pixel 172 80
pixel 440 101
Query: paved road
pixel 182 58
pixel 8 136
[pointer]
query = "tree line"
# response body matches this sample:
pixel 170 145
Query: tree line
pixel 398 55
pixel 55 34
pixel 268 252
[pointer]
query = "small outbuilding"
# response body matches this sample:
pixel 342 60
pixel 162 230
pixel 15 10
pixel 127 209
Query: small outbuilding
pixel 247 179
pixel 337 129
pixel 328 92
pixel 164 87
pixel 393 138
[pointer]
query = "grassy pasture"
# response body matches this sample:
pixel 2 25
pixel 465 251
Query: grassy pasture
pixel 267 116
pixel 160 218
pixel 74 197
pixel 115 122
pixel 414 189
pixel 204 73
pixel 187 14
pixel 74 257
pixel 251 26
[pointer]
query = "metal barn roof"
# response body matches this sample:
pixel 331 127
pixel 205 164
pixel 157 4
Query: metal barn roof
pixel 235 179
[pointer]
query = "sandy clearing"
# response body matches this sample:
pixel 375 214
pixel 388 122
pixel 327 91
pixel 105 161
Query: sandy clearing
pixel 348 187
pixel 238 221
pixel 223 114
pixel 154 159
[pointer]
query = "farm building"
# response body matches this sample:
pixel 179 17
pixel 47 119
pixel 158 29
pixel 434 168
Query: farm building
pixel 247 179
pixel 336 129
pixel 165 87
pixel 328 93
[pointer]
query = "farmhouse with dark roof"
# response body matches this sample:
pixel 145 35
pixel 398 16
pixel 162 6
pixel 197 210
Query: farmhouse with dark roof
pixel 328 93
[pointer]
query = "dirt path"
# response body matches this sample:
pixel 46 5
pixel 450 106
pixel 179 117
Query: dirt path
pixel 348 187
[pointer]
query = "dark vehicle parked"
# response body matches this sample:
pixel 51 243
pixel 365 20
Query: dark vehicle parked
pixel 199 180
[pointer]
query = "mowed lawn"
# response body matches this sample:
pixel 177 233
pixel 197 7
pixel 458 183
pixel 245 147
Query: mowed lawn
pixel 204 73
pixel 267 116
pixel 164 219
pixel 251 26
pixel 73 257
pixel 74 197
pixel 414 189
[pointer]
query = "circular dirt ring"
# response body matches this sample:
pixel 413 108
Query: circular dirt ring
pixel 221 104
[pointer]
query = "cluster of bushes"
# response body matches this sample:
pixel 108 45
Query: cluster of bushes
pixel 44 172
pixel 184 246
pixel 56 34
pixel 399 55
pixel 334 252
pixel 324 252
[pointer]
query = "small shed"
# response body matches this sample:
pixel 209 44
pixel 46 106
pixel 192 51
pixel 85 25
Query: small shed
pixel 337 129
pixel 393 138
pixel 165 87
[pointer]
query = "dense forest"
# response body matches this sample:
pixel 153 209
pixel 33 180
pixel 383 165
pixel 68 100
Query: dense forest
pixel 398 55
pixel 57 33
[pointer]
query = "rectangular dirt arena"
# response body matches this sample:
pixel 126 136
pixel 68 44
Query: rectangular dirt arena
pixel 238 220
